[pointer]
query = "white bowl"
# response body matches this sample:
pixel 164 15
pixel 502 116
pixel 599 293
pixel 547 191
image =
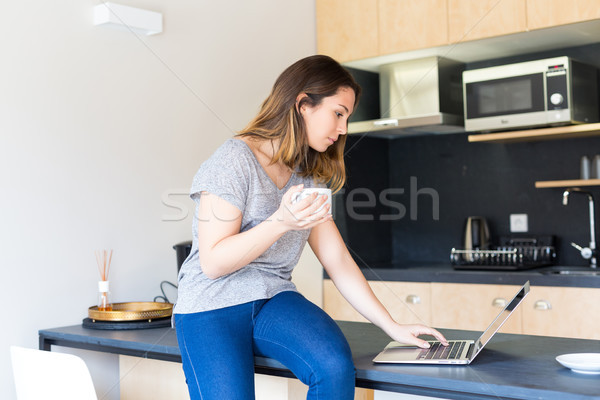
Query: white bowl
pixel 583 363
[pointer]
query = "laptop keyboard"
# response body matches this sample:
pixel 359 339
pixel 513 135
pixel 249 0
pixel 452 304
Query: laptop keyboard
pixel 438 351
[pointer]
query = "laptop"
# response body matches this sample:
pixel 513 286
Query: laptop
pixel 458 351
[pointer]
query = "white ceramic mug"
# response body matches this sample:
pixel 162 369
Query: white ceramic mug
pixel 296 197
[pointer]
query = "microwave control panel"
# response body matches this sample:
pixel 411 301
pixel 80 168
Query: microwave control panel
pixel 557 96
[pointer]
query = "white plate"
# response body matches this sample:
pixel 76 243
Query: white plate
pixel 583 363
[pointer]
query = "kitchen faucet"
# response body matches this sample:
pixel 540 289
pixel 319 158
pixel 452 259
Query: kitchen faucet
pixel 589 253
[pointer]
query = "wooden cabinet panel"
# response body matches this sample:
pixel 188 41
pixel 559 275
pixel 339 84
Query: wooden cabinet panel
pixel 547 13
pixel 350 30
pixel 347 29
pixel 138 379
pixel 549 311
pixel 472 306
pixel 412 24
pixel 407 302
pixel 469 20
pixel 562 311
pixel 336 306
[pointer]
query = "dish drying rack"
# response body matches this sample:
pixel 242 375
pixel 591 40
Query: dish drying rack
pixel 512 254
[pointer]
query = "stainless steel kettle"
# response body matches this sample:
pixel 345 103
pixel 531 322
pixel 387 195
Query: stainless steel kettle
pixel 477 234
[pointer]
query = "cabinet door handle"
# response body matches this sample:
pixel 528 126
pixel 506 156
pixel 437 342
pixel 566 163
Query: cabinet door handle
pixel 413 299
pixel 386 122
pixel 542 305
pixel 499 302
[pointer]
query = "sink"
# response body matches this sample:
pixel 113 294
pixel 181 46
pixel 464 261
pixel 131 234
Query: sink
pixel 574 273
pixel 571 271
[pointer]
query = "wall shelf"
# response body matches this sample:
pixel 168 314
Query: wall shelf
pixel 530 135
pixel 567 183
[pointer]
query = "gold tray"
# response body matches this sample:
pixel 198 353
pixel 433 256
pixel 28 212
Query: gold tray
pixel 132 311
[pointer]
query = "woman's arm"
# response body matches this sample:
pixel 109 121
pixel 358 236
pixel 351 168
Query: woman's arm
pixel 223 249
pixel 329 247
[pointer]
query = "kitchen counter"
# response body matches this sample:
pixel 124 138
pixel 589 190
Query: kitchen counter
pixel 446 274
pixel 511 366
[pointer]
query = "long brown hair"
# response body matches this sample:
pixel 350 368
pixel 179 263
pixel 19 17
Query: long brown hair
pixel 318 76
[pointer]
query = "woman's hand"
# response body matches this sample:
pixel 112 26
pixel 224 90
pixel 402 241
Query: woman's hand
pixel 409 334
pixel 302 214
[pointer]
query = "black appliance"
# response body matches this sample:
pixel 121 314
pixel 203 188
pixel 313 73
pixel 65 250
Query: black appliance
pixel 182 250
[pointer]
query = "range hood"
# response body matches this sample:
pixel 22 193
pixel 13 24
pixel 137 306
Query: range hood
pixel 422 96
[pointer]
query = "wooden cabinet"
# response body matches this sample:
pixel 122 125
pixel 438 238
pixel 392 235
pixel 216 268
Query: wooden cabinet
pixel 138 380
pixel 547 310
pixel 336 306
pixel 548 13
pixel 472 306
pixel 407 302
pixel 412 24
pixel 347 29
pixel 356 29
pixel 469 20
pixel 443 305
pixel 351 30
pixel 562 311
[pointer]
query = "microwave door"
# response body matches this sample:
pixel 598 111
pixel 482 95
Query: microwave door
pixel 505 103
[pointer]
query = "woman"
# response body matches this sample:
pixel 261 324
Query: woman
pixel 236 299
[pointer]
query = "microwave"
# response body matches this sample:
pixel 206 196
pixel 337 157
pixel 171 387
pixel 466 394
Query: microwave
pixel 547 92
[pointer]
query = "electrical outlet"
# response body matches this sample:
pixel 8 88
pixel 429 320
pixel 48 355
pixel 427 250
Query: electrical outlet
pixel 518 223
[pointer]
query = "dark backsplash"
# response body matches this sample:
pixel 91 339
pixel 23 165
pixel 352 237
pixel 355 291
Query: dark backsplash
pixel 445 173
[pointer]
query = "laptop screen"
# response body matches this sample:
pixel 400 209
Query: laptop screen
pixel 500 319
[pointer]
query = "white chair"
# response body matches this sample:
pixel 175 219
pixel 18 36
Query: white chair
pixel 50 376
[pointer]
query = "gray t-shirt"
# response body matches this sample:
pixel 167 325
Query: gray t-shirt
pixel 234 174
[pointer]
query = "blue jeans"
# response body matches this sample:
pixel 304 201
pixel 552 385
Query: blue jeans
pixel 218 348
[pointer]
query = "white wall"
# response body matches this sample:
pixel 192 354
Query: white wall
pixel 97 126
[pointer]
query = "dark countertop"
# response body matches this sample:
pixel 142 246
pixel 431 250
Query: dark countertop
pixel 446 274
pixel 511 366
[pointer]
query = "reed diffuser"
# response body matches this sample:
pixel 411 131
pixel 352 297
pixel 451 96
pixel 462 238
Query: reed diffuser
pixel 103 259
